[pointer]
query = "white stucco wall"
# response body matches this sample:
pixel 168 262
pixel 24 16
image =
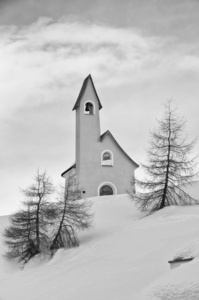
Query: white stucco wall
pixel 89 171
pixel 94 174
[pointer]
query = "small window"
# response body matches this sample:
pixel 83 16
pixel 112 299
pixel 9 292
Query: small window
pixel 107 158
pixel 89 108
pixel 106 190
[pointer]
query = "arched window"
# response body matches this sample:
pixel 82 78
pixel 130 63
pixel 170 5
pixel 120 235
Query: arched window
pixel 107 158
pixel 89 108
pixel 106 188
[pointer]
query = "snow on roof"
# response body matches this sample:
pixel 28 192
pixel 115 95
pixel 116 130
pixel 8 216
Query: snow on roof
pixel 181 284
pixel 67 170
pixel 190 249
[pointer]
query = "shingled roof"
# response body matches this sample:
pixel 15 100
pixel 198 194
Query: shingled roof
pixel 84 85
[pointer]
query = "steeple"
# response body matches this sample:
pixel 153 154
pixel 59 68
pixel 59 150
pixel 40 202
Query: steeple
pixel 83 88
pixel 87 109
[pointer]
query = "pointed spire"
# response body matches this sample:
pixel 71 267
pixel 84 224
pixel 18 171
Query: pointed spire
pixel 84 85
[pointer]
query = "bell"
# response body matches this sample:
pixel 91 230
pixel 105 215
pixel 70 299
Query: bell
pixel 87 107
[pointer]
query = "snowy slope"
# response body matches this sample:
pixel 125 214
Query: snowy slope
pixel 181 283
pixel 124 257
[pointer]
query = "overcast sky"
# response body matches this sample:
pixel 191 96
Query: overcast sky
pixel 139 53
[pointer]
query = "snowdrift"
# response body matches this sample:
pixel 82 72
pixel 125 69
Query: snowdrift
pixel 125 256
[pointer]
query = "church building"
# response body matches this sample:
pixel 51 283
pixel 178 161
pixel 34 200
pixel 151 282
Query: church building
pixel 102 167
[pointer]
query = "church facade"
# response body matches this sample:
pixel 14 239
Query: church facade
pixel 102 167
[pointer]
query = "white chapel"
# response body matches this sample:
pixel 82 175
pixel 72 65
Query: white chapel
pixel 101 167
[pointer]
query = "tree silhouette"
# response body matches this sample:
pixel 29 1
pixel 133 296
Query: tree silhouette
pixel 73 214
pixel 28 233
pixel 41 226
pixel 169 166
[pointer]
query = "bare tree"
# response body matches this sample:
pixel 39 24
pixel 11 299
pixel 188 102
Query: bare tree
pixel 169 167
pixel 28 234
pixel 73 215
pixel 43 226
pixel 18 236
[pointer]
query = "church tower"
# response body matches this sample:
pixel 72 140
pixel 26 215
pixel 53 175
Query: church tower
pixel 87 109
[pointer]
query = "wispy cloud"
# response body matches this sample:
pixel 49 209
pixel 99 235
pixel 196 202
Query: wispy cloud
pixel 40 59
pixel 46 55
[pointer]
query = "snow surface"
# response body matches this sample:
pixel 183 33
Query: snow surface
pixel 181 283
pixel 191 249
pixel 125 256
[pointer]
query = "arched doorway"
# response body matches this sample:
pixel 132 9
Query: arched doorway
pixel 106 190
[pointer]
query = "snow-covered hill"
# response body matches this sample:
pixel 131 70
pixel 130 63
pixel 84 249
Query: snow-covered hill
pixel 123 257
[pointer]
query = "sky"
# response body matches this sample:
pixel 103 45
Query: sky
pixel 139 53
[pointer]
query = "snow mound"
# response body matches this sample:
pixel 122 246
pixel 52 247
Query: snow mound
pixel 125 256
pixel 179 284
pixel 191 249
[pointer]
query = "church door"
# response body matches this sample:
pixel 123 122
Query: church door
pixel 106 190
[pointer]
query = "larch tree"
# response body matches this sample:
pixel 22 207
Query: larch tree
pixel 170 166
pixel 72 215
pixel 28 233
pixel 19 236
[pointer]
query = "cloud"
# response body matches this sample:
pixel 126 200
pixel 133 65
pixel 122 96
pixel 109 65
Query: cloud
pixel 39 60
pixel 45 61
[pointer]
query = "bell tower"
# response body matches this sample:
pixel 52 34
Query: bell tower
pixel 87 109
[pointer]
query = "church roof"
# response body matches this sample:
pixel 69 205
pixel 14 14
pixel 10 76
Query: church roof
pixel 84 85
pixel 106 133
pixel 70 168
pixel 112 137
